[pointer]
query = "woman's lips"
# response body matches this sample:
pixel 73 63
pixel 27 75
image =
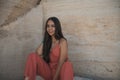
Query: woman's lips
pixel 50 32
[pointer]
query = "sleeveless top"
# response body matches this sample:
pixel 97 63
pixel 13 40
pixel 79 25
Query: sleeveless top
pixel 54 58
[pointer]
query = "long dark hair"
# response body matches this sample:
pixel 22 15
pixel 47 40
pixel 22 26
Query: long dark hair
pixel 47 42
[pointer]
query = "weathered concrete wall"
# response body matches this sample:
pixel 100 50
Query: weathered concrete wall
pixel 92 29
pixel 10 10
pixel 6 8
pixel 17 40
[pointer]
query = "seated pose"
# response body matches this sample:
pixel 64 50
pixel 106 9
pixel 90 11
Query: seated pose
pixel 50 61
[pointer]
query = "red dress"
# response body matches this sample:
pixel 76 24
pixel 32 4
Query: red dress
pixel 35 65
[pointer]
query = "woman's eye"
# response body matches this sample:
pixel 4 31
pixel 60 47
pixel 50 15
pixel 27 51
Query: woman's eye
pixel 50 25
pixel 53 25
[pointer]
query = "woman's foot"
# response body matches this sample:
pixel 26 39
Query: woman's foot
pixel 26 78
pixel 39 78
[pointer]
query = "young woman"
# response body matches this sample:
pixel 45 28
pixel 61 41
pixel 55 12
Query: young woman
pixel 50 60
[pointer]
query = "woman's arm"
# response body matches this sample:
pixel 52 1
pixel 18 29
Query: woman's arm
pixel 39 49
pixel 63 57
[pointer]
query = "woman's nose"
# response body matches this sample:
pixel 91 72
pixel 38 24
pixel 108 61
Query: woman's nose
pixel 50 27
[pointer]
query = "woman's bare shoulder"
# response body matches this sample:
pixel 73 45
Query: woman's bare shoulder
pixel 63 41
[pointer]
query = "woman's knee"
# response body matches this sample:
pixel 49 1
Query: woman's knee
pixel 33 54
pixel 67 66
pixel 66 71
pixel 67 63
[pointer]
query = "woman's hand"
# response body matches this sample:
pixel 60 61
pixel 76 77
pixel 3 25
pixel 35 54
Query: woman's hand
pixel 55 78
pixel 39 50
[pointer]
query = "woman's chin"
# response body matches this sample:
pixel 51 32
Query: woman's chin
pixel 51 34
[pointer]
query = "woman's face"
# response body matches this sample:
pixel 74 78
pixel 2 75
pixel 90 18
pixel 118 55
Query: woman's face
pixel 51 28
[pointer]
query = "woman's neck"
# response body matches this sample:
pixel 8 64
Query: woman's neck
pixel 53 39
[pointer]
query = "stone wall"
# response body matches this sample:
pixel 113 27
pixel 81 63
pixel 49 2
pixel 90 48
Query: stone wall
pixel 91 28
pixel 17 40
pixel 6 8
pixel 10 10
